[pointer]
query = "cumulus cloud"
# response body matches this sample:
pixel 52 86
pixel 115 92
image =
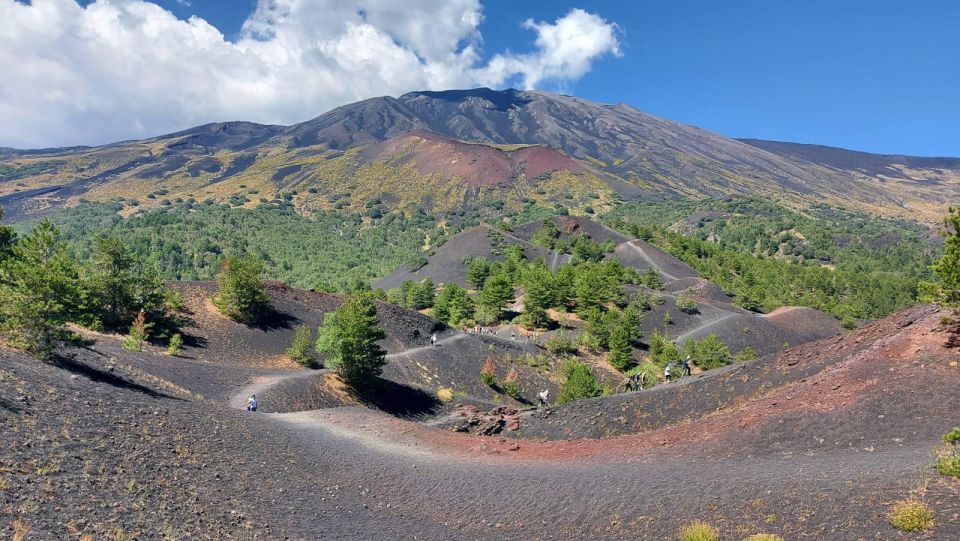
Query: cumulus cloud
pixel 120 69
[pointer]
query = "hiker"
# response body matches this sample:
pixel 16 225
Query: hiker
pixel 686 366
pixel 433 339
pixel 628 385
pixel 252 403
pixel 542 395
pixel 666 373
pixel 513 335
pixel 637 381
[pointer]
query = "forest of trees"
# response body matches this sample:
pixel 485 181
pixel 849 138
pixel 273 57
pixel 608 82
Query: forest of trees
pixel 851 265
pixel 42 289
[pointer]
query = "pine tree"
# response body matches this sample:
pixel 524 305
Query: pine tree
pixel 109 279
pixel 578 383
pixel 39 290
pixel 139 333
pixel 423 294
pixel 538 297
pixel 477 271
pixel 301 347
pixel 497 292
pixel 708 352
pixel 621 350
pixel 349 338
pixel 7 238
pixel 241 294
pixel 175 346
pixel 406 293
pixel 453 305
pixel 651 279
pixel 947 268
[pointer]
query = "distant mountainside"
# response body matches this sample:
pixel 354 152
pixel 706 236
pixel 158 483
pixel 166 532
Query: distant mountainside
pixel 452 151
pixel 716 314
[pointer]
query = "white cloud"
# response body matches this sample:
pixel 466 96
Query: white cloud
pixel 120 69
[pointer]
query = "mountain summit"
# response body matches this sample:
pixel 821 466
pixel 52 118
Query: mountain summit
pixel 450 150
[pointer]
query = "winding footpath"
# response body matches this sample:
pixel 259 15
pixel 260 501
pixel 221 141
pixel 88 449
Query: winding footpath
pixel 685 335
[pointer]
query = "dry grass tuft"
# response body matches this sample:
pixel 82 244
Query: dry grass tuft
pixel 20 530
pixel 911 516
pixel 699 531
pixel 764 537
pixel 445 394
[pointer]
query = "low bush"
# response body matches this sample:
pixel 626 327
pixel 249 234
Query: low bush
pixel 699 531
pixel 301 348
pixel 488 374
pixel 175 346
pixel 911 516
pixel 561 343
pixel 511 387
pixel 687 305
pixel 578 382
pixel 949 465
pixel 445 394
pixel 952 437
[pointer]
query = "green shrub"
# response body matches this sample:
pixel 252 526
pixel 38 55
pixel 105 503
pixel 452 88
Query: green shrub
pixel 561 343
pixel 139 332
pixel 175 346
pixel 301 348
pixel 708 352
pixel 911 516
pixel 241 295
pixel 488 374
pixel 578 382
pixel 952 437
pixel 511 387
pixel 699 531
pixel 745 354
pixel 687 305
pixel 949 465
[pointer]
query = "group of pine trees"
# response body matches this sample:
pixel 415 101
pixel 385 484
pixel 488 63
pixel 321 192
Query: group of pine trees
pixel 43 288
pixel 348 338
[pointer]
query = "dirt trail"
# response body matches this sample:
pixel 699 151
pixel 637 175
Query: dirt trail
pixel 683 336
pixel 649 260
pixel 262 383
pixel 440 342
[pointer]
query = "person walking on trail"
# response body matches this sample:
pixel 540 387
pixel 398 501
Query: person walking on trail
pixel 637 381
pixel 686 366
pixel 252 403
pixel 433 339
pixel 542 395
pixel 666 373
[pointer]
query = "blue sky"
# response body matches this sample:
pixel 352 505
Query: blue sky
pixel 880 76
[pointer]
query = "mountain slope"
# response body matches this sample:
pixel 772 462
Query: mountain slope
pixel 415 139
pixel 716 313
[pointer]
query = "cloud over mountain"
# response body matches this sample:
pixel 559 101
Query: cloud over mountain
pixel 118 69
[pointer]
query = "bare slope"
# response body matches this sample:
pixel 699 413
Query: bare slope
pixel 814 445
